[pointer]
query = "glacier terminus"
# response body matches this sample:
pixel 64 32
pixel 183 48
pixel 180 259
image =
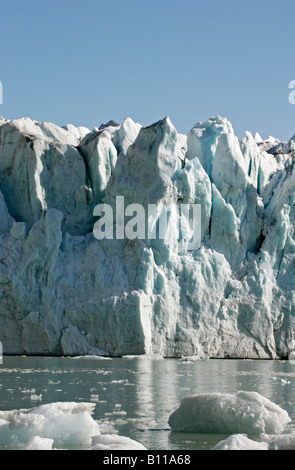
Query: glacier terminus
pixel 64 292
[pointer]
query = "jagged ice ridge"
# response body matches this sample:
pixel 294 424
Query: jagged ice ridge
pixel 63 292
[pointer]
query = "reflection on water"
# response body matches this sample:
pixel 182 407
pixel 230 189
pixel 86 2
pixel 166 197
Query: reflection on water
pixel 135 396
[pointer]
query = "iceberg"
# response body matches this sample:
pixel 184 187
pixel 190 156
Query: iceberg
pixel 267 442
pixel 240 413
pixel 38 443
pixel 65 424
pixel 240 442
pixel 281 442
pixel 114 442
pixel 60 425
pixel 63 292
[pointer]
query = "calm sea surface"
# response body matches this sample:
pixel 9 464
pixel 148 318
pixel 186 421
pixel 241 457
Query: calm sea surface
pixel 135 396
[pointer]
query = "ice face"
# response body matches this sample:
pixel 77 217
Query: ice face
pixel 65 292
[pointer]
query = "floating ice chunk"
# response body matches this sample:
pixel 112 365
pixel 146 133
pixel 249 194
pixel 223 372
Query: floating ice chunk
pixel 67 424
pixel 39 443
pixel 92 356
pixel 281 442
pixel 285 382
pixel 243 412
pixel 122 381
pixel 35 397
pixel 268 442
pixel 113 442
pixel 190 358
pixel 144 356
pixel 94 397
pixel 240 442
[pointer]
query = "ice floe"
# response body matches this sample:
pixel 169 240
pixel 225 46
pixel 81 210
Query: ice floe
pixel 60 425
pixel 243 412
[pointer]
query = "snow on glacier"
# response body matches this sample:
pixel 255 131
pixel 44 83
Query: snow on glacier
pixel 65 292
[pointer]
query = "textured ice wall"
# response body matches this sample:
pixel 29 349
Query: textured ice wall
pixel 64 292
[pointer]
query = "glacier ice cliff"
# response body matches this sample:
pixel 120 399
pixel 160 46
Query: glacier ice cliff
pixel 63 292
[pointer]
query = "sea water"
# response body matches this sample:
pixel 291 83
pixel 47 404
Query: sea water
pixel 134 396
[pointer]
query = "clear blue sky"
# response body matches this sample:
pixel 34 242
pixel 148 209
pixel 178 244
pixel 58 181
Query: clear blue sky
pixel 88 61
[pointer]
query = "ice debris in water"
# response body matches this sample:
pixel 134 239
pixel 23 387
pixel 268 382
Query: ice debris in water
pixel 113 442
pixel 243 412
pixel 266 442
pixel 64 425
pixel 240 442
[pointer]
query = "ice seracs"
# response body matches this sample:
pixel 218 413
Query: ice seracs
pixel 65 292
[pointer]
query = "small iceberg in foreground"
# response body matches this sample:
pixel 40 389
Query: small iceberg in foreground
pixel 240 413
pixel 114 442
pixel 61 425
pixel 268 442
pixel 240 442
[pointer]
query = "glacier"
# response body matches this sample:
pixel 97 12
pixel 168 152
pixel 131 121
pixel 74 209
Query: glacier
pixel 63 292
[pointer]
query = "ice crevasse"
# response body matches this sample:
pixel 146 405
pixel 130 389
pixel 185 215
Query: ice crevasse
pixel 63 292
